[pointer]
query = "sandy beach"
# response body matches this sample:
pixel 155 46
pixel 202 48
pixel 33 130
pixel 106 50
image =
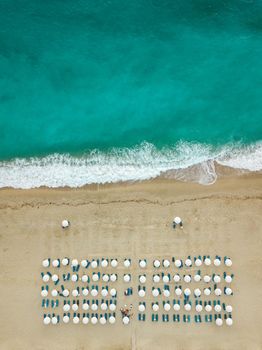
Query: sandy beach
pixel 131 220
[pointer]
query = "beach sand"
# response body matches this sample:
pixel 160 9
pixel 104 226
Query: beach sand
pixel 132 220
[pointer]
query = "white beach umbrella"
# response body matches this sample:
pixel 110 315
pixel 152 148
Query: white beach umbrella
pixel 95 277
pixel 207 291
pixel 104 292
pixel 112 307
pixel 65 292
pixel 112 319
pixel 229 308
pixel 102 320
pixel 142 279
pixel 176 307
pixel 65 319
pixel 54 278
pixel 46 278
pixel 166 263
pixel 217 262
pixel 155 292
pixel 54 320
pixel 142 264
pixel 47 320
pixel 55 263
pixel 155 307
pixel 113 292
pixel 177 278
pixel 197 292
pixel 44 293
pixel 103 306
pixel 207 278
pixel 94 320
pixel 208 308
pixel 228 291
pixel 66 307
pixel 84 278
pixel 104 263
pixel 126 278
pixel 85 292
pixel 207 261
pixel 74 307
pixel 74 262
pixel 85 320
pixel 75 293
pixel 94 292
pixel 84 263
pixel 187 307
pixel 141 293
pixel 105 278
pixel 156 263
pixel 199 308
pixel 219 321
pixel 166 293
pixel 167 306
pixel 217 308
pixel 156 279
pixel 188 262
pixel 94 307
pixel 178 263
pixel 198 262
pixel 45 263
pixel 228 279
pixel 94 264
pixel 113 277
pixel 229 321
pixel 197 278
pixel 165 279
pixel 65 261
pixel 125 320
pixel 177 220
pixel 65 223
pixel 54 293
pixel 217 279
pixel 178 291
pixel 187 291
pixel 127 263
pixel 114 263
pixel 141 308
pixel 228 262
pixel 187 278
pixel 74 278
pixel 85 306
pixel 76 320
pixel 218 292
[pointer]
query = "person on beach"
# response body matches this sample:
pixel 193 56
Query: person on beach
pixel 177 221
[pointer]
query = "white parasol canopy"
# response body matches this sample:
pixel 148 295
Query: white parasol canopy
pixel 217 262
pixel 65 261
pixel 218 292
pixel 188 262
pixel 112 319
pixel 207 291
pixel 113 292
pixel 155 307
pixel 54 293
pixel 94 320
pixel 54 278
pixel 114 263
pixel 217 308
pixel 178 263
pixel 177 278
pixel 197 278
pixel 142 279
pixel 142 264
pixel 156 263
pixel 177 220
pixel 105 278
pixel 74 262
pixel 47 320
pixel 46 278
pixel 113 277
pixel 219 321
pixel 94 264
pixel 187 278
pixel 155 292
pixel 217 279
pixel 167 306
pixel 125 320
pixel 65 292
pixel 104 263
pixel 187 307
pixel 176 307
pixel 102 320
pixel 112 307
pixel 54 320
pixel 65 223
pixel 141 293
pixel 141 308
pixel 45 263
pixel 65 319
pixel 85 306
pixel 165 279
pixel 156 278
pixel 95 277
pixel 208 308
pixel 85 320
pixel 103 306
pixel 127 263
pixel 228 291
pixel 229 308
pixel 207 261
pixel 228 279
pixel 166 263
pixel 228 262
pixel 198 262
pixel 187 291
pixel 166 293
pixel 199 308
pixel 55 263
pixel 85 292
pixel 197 292
pixel 229 321
pixel 178 291
pixel 44 293
pixel 74 307
pixel 84 278
pixel 66 307
pixel 74 278
pixel 104 292
pixel 84 263
pixel 94 292
pixel 127 278
pixel 75 293
pixel 94 307
pixel 207 278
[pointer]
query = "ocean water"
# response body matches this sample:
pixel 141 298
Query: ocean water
pixel 106 91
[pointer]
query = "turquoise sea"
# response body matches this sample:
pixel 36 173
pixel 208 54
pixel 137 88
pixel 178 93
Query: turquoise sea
pixel 102 91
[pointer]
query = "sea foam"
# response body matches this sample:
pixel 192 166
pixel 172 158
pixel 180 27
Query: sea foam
pixel 129 164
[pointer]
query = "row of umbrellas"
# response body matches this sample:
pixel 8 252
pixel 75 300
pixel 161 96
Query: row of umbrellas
pixel 76 319
pixel 85 292
pixel 142 262
pixel 93 307
pixel 187 292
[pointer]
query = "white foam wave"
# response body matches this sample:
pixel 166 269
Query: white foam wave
pixel 139 163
